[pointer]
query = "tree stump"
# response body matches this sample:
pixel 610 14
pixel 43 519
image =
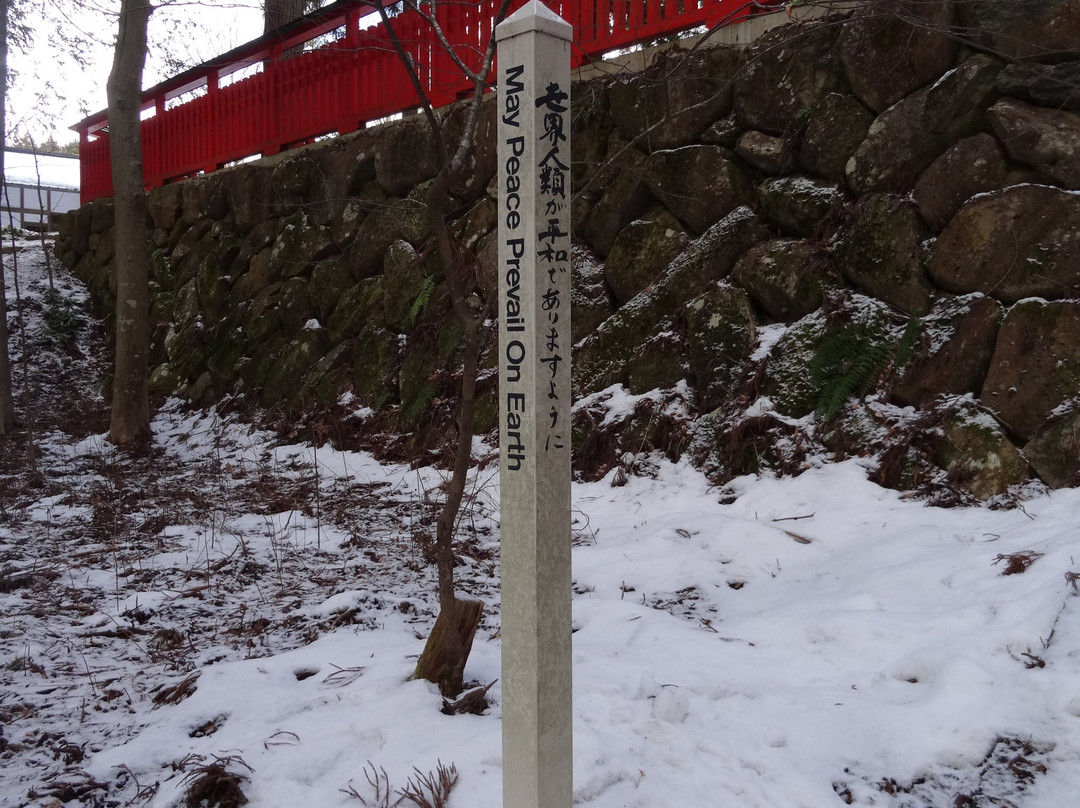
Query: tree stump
pixel 436 663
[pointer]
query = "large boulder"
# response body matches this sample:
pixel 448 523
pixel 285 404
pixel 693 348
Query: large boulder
pixel 375 367
pixel 248 193
pixel 404 277
pixel 786 278
pixel 358 308
pixel 204 197
pixel 958 338
pixel 641 253
pixel 699 184
pixel 405 155
pixel 605 356
pixel 907 137
pixel 890 49
pixel 673 101
pixel 481 162
pixel 880 252
pixel 1055 86
pixel 348 165
pixel 769 154
pixel 788 70
pixel 590 300
pixel 1010 244
pixel 976 454
pixel 1054 452
pixel 837 125
pixel 590 129
pixel 625 196
pixel 797 204
pixel 971 166
pixel 720 334
pixel 820 361
pixel 300 244
pixel 1046 139
pixel 164 205
pixel 1038 30
pixel 1036 364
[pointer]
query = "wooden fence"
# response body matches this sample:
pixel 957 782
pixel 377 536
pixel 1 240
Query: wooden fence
pixel 336 70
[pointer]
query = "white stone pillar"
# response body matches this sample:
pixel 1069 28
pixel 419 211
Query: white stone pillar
pixel 534 392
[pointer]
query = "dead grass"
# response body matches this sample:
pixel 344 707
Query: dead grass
pixel 213 785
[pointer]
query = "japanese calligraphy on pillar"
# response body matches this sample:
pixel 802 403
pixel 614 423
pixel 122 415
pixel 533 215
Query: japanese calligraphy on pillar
pixel 534 395
pixel 553 259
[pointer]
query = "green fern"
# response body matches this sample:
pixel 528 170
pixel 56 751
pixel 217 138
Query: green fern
pixel 423 297
pixel 419 405
pixel 846 364
pixel 851 359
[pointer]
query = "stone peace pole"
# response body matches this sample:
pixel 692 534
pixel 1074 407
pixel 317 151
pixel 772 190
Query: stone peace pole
pixel 534 393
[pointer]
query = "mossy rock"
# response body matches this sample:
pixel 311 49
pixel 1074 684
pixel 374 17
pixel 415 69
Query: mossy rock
pixel 881 253
pixel 359 307
pixel 346 224
pixel 284 382
pixel 253 372
pixel 324 383
pixel 720 334
pixel 659 363
pixel 294 302
pixel 450 336
pixel 185 245
pixel 260 273
pixel 187 307
pixel 600 359
pixel 404 279
pixel 300 244
pixel 397 220
pixel 978 457
pixel 375 365
pixel 416 387
pixel 641 253
pixel 1036 364
pixel 590 301
pixel 161 269
pixel 188 347
pixel 796 384
pixel 329 282
pixel 168 379
pixel 1054 451
pixel 797 204
pixel 226 352
pixel 788 279
pixel 212 286
pixel 263 316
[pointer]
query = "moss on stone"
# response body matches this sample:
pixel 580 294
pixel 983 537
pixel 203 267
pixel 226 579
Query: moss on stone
pixel 979 457
pixel 359 307
pixel 720 334
pixel 415 386
pixel 284 381
pixel 374 367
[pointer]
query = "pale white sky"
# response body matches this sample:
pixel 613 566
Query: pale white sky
pixel 62 79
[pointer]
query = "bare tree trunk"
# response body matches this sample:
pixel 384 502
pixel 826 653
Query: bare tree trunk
pixel 278 12
pixel 131 407
pixel 447 650
pixel 7 401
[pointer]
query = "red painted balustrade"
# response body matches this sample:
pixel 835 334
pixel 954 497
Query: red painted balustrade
pixel 336 70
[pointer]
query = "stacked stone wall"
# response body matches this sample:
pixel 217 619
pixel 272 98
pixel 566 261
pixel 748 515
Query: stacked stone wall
pixel 873 219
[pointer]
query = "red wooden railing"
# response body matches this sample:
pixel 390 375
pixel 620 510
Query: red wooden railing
pixel 263 97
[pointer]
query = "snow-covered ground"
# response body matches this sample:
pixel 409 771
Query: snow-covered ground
pixel 230 598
